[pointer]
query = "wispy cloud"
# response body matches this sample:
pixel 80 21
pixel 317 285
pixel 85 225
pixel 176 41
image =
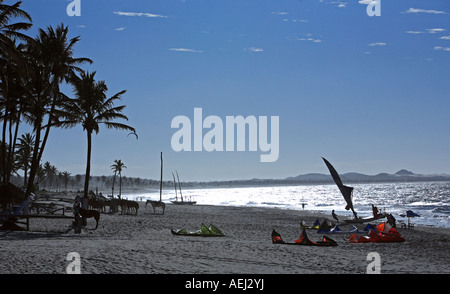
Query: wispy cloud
pixel 414 32
pixel 429 11
pixel 279 13
pixel 186 50
pixel 377 44
pixel 338 3
pixel 445 38
pixel 120 29
pixel 434 31
pixel 310 39
pixel 254 49
pixel 296 20
pixel 140 14
pixel 439 48
pixel 429 31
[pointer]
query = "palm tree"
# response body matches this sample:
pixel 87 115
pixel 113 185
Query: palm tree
pixel 66 177
pixel 11 63
pixel 117 168
pixel 24 154
pixel 10 31
pixel 50 61
pixel 92 108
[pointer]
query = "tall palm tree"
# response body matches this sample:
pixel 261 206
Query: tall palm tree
pixel 92 108
pixel 11 63
pixel 117 168
pixel 51 62
pixel 9 32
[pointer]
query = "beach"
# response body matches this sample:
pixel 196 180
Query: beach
pixel 144 244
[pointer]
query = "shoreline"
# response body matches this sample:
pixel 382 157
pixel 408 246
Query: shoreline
pixel 143 244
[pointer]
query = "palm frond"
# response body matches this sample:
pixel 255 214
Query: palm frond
pixel 119 126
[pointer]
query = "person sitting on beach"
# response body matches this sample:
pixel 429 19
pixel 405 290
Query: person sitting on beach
pixel 391 220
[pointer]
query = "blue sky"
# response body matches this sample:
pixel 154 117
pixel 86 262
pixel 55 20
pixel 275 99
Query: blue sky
pixel 371 94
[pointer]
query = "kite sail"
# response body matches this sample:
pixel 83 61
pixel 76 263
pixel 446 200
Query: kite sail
pixel 345 190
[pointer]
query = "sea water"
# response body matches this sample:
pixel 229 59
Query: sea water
pixel 431 200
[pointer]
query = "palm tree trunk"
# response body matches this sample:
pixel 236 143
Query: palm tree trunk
pixel 88 164
pixel 114 181
pixel 34 161
pixel 3 151
pixel 120 185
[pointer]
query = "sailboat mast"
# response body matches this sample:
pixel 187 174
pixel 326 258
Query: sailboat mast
pixel 175 184
pixel 179 186
pixel 160 185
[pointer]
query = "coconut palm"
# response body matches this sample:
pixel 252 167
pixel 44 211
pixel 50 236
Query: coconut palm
pixel 10 63
pixel 9 32
pixel 50 62
pixel 66 178
pixel 92 108
pixel 24 154
pixel 117 168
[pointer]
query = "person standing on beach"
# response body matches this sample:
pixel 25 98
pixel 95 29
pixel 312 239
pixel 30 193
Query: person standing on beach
pixel 76 212
pixel 375 211
pixel 334 215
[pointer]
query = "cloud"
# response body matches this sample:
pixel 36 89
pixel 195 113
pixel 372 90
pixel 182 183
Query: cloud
pixel 186 50
pixel 445 38
pixel 279 13
pixel 141 14
pixel 434 31
pixel 377 44
pixel 439 48
pixel 310 39
pixel 418 10
pixel 120 29
pixel 254 49
pixel 414 32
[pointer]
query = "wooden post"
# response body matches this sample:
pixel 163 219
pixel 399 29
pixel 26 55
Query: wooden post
pixel 160 185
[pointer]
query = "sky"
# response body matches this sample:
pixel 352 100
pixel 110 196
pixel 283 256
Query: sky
pixel 369 93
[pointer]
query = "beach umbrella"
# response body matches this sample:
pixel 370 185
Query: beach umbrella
pixel 409 215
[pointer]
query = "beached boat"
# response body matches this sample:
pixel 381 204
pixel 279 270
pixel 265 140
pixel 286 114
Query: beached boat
pixel 346 191
pixel 176 201
pixel 360 220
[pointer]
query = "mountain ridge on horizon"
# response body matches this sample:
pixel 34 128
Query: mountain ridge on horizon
pixel 401 175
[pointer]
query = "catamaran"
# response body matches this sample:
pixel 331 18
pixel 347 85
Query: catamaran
pixel 347 192
pixel 182 202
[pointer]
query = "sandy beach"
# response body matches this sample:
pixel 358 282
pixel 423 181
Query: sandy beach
pixel 144 244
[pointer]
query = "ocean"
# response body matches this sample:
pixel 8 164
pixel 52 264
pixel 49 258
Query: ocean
pixel 431 200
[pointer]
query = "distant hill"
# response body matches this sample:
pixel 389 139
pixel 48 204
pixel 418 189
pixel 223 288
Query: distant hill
pixel 402 175
pixel 132 185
